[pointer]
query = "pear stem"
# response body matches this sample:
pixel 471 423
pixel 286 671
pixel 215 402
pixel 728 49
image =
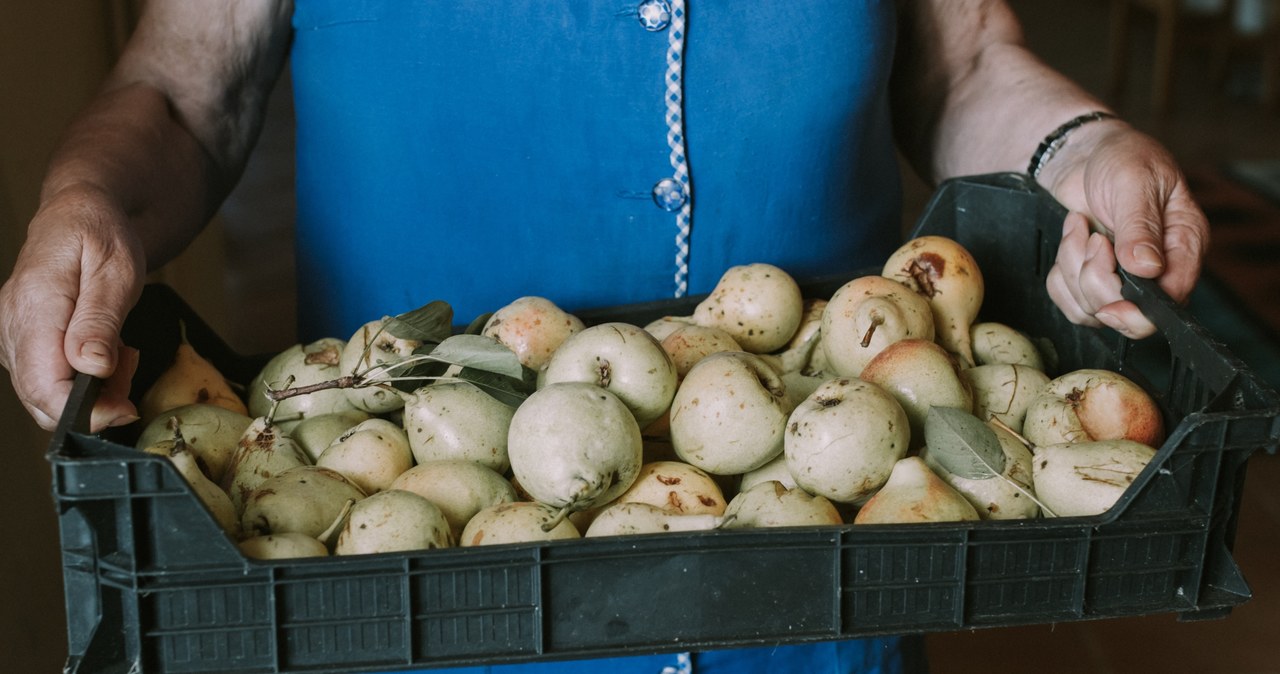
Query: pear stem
pixel 557 519
pixel 876 321
pixel 349 381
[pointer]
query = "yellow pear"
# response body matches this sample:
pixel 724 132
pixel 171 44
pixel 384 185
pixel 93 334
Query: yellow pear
pixel 188 380
pixel 914 493
pixel 944 273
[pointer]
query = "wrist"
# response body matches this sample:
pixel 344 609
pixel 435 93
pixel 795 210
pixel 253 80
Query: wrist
pixel 1073 149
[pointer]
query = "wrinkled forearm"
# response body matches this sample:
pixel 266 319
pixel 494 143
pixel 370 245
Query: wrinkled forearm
pixel 128 153
pixel 968 95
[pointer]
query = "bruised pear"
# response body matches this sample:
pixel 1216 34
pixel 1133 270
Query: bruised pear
pixel 866 315
pixel 371 346
pixel 300 365
pixel 263 452
pixel 517 522
pixel 843 441
pixel 532 327
pixel 457 420
pixel 999 343
pixel 689 344
pixel 1087 478
pixel 188 380
pixel 304 500
pixel 944 273
pixel 661 327
pixel 216 500
pixel 631 518
pixel 209 432
pixel 1093 404
pixel 676 487
pixel 914 493
pixel 393 521
pixel 729 415
pixel 759 305
pixel 574 445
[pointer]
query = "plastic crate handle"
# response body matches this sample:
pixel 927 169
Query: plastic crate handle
pixel 76 414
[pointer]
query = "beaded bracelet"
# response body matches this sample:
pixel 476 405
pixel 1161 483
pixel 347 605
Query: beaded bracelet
pixel 1055 140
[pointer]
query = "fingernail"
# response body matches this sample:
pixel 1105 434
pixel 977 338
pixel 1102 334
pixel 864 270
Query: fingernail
pixel 1147 255
pixel 123 420
pixel 96 352
pixel 1110 320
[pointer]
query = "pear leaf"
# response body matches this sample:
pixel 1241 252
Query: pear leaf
pixel 480 353
pixel 429 323
pixel 962 444
pixel 506 390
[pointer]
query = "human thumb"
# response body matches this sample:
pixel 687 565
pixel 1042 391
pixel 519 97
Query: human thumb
pixel 1139 240
pixel 93 333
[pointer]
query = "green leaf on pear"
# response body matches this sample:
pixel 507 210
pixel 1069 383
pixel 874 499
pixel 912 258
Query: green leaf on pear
pixel 962 444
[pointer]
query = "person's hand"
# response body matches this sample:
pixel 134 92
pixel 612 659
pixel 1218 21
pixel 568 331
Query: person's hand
pixel 76 277
pixel 1129 205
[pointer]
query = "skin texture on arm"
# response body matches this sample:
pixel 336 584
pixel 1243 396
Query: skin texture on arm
pixel 970 98
pixel 136 176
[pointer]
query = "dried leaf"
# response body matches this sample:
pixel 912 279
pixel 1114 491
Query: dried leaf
pixel 962 444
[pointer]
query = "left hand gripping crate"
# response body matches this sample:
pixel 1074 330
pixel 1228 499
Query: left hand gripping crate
pixel 152 584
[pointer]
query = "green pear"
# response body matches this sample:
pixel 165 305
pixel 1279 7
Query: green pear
pixel 759 304
pixel 460 488
pixel 371 346
pixel 730 414
pixel 1087 478
pixel 372 454
pixel 769 504
pixel 866 315
pixel 457 420
pixel 622 359
pixel 574 445
pixel 844 439
pixel 209 432
pixel 1004 391
pixel 393 521
pixel 998 343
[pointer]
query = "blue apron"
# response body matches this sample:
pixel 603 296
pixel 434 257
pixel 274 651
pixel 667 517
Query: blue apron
pixel 594 152
pixel 477 151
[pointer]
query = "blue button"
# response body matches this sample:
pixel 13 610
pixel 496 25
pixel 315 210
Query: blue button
pixel 654 15
pixel 669 194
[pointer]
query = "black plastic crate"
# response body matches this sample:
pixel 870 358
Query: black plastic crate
pixel 153 585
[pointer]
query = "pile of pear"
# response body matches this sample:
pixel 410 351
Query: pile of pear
pixel 763 408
